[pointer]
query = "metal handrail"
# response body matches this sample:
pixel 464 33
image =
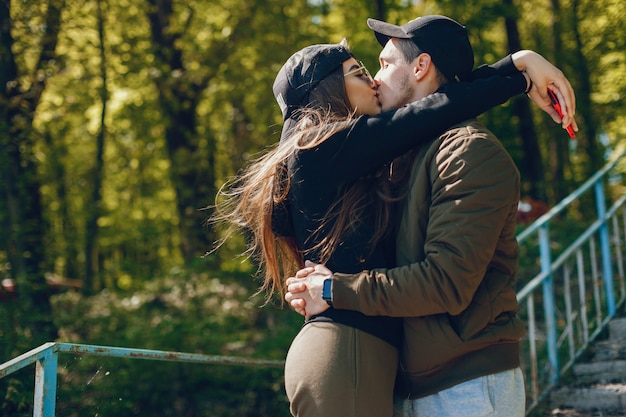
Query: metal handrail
pixel 46 359
pixel 570 319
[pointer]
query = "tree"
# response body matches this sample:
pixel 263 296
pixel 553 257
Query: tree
pixel 94 205
pixel 590 136
pixel 180 90
pixel 558 147
pixel 21 210
pixel 532 162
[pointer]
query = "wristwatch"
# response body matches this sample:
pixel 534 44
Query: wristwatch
pixel 327 291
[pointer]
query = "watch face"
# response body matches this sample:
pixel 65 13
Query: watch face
pixel 327 294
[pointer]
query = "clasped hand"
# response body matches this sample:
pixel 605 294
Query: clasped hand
pixel 304 291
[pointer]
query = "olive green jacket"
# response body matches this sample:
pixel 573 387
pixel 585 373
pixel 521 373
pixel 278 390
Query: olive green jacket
pixel 458 258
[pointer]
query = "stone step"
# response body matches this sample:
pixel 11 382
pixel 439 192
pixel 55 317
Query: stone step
pixel 609 398
pixel 609 350
pixel 596 388
pixel 566 412
pixel 617 329
pixel 600 372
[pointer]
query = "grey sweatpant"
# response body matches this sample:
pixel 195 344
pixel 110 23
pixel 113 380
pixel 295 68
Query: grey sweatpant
pixel 497 395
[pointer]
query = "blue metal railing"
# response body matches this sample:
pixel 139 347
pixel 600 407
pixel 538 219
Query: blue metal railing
pixel 46 360
pixel 573 308
pixel 557 335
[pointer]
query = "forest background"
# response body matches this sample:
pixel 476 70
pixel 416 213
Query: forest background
pixel 120 119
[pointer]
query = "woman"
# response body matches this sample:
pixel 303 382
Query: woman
pixel 326 193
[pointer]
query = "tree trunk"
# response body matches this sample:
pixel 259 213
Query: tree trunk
pixel 584 107
pixel 532 167
pixel 94 206
pixel 380 9
pixel 192 165
pixel 23 240
pixel 558 146
pixel 65 229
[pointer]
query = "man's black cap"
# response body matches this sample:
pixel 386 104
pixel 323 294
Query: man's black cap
pixel 444 39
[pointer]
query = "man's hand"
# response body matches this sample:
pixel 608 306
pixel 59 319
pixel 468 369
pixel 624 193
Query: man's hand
pixel 304 291
pixel 544 75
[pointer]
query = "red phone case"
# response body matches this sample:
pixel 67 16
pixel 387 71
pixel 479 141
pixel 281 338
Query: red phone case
pixel 557 107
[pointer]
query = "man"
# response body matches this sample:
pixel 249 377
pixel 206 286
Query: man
pixel 456 244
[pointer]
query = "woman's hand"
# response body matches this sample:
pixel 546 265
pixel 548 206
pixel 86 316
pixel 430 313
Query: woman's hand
pixel 544 75
pixel 304 291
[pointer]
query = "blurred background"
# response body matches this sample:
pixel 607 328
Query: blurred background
pixel 120 119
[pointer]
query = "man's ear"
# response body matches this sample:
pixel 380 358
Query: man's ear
pixel 422 65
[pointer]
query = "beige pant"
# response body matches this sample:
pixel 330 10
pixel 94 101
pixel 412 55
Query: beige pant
pixel 333 370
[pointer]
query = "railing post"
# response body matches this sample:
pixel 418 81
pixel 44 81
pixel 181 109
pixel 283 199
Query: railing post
pixel 46 383
pixel 548 301
pixel 607 269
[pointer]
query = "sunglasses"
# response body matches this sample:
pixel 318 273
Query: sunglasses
pixel 362 69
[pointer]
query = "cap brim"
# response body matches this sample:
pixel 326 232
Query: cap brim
pixel 384 31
